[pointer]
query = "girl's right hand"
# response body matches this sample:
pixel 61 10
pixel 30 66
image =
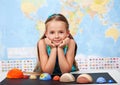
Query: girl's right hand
pixel 49 42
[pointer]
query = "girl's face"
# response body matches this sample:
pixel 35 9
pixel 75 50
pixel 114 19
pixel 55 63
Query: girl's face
pixel 56 31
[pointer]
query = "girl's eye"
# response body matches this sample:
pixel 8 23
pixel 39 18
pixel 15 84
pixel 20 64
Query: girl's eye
pixel 61 32
pixel 51 32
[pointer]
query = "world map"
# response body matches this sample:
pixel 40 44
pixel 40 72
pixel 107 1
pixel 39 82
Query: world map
pixel 94 24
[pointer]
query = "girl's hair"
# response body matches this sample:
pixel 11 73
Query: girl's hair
pixel 57 17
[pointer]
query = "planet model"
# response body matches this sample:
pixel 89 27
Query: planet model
pixel 45 76
pixel 67 77
pixel 100 80
pixel 110 81
pixel 15 73
pixel 25 76
pixel 56 78
pixel 84 79
pixel 33 77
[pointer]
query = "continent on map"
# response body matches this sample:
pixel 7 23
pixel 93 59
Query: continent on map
pixel 113 33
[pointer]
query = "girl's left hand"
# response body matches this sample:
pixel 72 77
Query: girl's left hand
pixel 64 42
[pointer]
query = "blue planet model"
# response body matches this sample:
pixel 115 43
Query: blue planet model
pixel 45 76
pixel 100 80
pixel 110 81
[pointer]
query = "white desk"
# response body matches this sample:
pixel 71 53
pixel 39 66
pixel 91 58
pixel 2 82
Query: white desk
pixel 2 76
pixel 114 73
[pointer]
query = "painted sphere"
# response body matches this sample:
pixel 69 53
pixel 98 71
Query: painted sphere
pixel 100 80
pixel 45 76
pixel 67 77
pixel 110 81
pixel 84 79
pixel 33 77
pixel 15 73
pixel 56 78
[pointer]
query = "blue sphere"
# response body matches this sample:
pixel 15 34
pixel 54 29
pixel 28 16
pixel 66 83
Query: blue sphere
pixel 45 76
pixel 110 81
pixel 100 80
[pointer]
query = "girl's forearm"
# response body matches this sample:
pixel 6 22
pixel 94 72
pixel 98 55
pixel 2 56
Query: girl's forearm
pixel 63 63
pixel 49 67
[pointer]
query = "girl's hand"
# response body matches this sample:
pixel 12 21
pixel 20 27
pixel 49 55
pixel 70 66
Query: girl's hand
pixel 64 42
pixel 49 42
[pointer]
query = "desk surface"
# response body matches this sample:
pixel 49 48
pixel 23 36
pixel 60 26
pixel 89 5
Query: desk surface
pixel 114 74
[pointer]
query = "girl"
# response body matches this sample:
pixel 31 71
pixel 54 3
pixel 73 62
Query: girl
pixel 57 48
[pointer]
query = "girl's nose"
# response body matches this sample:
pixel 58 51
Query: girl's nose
pixel 56 35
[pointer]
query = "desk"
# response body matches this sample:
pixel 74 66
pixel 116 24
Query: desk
pixel 2 76
pixel 114 73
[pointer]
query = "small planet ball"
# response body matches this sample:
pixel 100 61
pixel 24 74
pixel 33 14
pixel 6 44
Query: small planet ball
pixel 67 77
pixel 33 77
pixel 45 76
pixel 15 73
pixel 56 78
pixel 25 76
pixel 100 80
pixel 110 81
pixel 84 79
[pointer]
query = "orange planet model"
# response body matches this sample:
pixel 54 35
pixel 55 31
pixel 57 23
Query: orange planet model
pixel 56 78
pixel 15 73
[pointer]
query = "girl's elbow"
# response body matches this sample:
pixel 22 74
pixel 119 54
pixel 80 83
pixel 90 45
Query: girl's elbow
pixel 46 71
pixel 67 70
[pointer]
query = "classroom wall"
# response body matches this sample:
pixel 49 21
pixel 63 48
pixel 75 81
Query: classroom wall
pixel 94 24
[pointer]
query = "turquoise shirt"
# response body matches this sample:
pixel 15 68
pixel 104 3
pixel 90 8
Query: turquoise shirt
pixel 57 68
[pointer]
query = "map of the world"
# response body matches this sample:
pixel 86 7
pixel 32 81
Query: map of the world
pixel 94 24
